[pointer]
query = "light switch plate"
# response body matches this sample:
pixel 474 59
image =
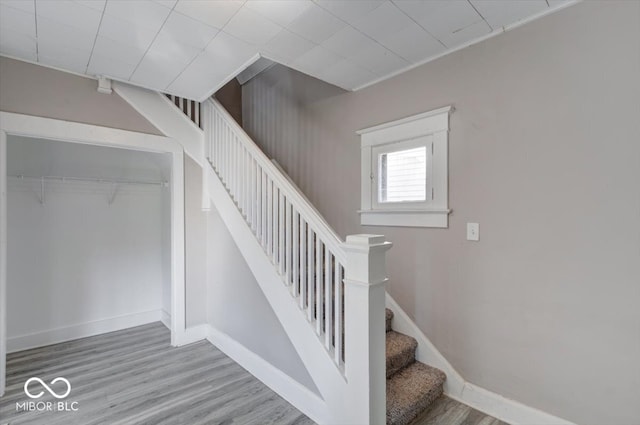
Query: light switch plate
pixel 473 231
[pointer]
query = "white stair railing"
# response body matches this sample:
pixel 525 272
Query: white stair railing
pixel 191 108
pixel 338 286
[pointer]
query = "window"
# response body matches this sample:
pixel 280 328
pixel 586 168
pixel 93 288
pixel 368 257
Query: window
pixel 404 172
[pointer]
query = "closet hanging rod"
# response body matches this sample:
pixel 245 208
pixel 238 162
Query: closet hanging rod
pixel 94 180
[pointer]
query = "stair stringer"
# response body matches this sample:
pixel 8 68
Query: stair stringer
pixel 327 377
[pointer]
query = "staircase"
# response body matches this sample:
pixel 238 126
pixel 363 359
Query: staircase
pixel 328 294
pixel 411 386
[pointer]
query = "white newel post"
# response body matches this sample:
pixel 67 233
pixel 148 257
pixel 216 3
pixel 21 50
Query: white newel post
pixel 364 291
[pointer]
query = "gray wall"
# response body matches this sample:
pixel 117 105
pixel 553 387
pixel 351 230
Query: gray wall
pixel 34 90
pixel 195 245
pixel 237 307
pixel 545 155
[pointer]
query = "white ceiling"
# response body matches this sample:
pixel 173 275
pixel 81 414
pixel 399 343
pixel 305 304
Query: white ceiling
pixel 190 48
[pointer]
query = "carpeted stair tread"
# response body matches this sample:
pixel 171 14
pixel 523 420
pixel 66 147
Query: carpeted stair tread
pixel 388 316
pixel 400 351
pixel 411 390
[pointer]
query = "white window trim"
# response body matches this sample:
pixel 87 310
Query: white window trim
pixel 435 213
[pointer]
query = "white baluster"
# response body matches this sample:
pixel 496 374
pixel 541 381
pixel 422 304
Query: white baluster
pixel 269 223
pixel 281 244
pixel 319 297
pixel 288 231
pixel 328 300
pixel 338 332
pixel 303 263
pixel 310 270
pixel 265 208
pixel 295 249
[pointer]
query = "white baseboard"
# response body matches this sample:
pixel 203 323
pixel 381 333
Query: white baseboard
pixel 82 330
pixel 191 335
pixel 288 388
pixel 165 318
pixel 507 410
pixel 427 352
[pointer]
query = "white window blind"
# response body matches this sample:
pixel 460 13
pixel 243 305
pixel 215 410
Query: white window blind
pixel 403 175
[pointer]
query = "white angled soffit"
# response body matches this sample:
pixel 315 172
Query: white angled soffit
pixel 191 48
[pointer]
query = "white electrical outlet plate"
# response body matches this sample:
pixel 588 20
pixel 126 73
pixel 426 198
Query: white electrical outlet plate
pixel 473 231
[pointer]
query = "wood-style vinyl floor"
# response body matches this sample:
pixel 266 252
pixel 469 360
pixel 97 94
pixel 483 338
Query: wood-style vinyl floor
pixel 446 411
pixel 134 376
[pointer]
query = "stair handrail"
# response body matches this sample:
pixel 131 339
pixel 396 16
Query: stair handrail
pixel 340 284
pixel 297 198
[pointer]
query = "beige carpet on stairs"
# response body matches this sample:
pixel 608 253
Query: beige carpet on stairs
pixel 411 386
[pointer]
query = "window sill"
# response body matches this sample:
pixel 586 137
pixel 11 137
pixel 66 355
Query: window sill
pixel 438 218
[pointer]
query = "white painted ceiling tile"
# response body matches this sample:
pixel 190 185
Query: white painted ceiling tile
pixel 18 21
pixel 167 3
pixel 251 27
pixel 93 4
pixel 188 31
pixel 70 13
pixel 214 13
pixel 213 67
pixel 317 60
pixel 170 50
pixel 287 46
pixel 127 53
pixel 17 44
pixel 500 13
pixel 413 43
pixel 229 52
pixel 126 32
pixel 379 60
pixel 348 41
pixel 282 12
pixel 349 11
pixel 440 17
pixel 559 3
pixel 466 35
pixel 316 24
pixel 110 67
pixel 63 57
pixel 383 21
pixel 157 71
pixel 52 32
pixel 347 75
pixel 144 14
pixel 7 50
pixel 25 6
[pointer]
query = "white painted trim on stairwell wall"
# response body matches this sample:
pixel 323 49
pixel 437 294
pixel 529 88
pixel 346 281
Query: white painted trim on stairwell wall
pixel 73 132
pixel 3 256
pixel 288 388
pixel 82 330
pixel 455 387
pixel 164 115
pixel 326 376
pixel 190 335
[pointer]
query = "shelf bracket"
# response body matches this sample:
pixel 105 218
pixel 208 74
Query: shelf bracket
pixel 41 199
pixel 112 194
